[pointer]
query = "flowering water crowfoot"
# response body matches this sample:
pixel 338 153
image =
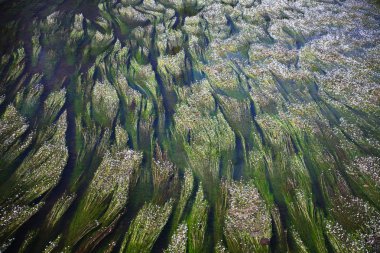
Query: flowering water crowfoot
pixel 164 172
pixel 267 114
pixel 146 227
pixel 105 102
pixel 178 240
pixel 247 223
pixel 197 222
pixel 107 194
pixel 39 173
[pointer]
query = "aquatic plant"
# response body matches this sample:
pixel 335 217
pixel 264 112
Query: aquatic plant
pixel 52 105
pixel 59 209
pixel 219 248
pixel 107 194
pixel 12 126
pixel 146 227
pixel 38 174
pixel 356 226
pixel 206 135
pixel 42 168
pixel 186 191
pixel 164 174
pixel 12 65
pixel 28 240
pixel 104 103
pixel 121 137
pixel 27 99
pixel 12 217
pixel 247 223
pixel 189 126
pixel 52 245
pixel 178 240
pixel 197 223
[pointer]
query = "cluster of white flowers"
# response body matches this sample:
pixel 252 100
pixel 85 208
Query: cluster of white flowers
pixel 78 22
pixel 132 15
pixel 42 169
pixel 12 216
pixel 162 172
pixel 6 244
pixel 214 14
pixel 52 18
pixel 105 100
pixel 120 54
pixel 102 38
pixel 103 22
pixel 52 245
pixel 237 111
pixel 172 64
pixel 369 166
pixel 121 136
pixel 343 240
pixel 178 240
pixel 223 76
pixel 355 214
pixel 77 31
pixel 115 169
pixel 219 248
pixel 198 96
pixel 12 126
pixel 247 212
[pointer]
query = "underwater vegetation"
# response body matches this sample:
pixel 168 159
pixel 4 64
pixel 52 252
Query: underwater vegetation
pixel 190 126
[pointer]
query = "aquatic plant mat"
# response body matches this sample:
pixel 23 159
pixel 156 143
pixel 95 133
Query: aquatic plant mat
pixel 190 126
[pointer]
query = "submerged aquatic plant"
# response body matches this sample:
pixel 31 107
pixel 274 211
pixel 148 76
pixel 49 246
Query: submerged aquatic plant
pixel 39 173
pixel 178 240
pixel 247 223
pixel 105 103
pixel 197 222
pixel 59 209
pixel 189 126
pixel 164 173
pixel 146 227
pixel 107 194
pixel 186 191
pixel 12 127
